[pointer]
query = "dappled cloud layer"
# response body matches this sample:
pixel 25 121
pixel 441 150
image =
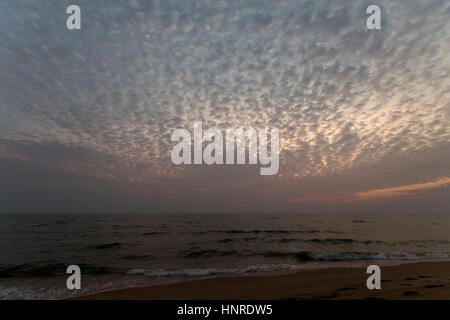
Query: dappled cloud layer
pixel 102 102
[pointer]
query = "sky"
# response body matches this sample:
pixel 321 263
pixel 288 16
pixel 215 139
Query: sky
pixel 86 115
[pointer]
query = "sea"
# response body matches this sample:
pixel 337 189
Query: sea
pixel 116 251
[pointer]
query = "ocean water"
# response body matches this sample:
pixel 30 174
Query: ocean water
pixel 129 250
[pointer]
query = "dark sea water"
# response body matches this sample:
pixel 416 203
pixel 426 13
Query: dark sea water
pixel 128 250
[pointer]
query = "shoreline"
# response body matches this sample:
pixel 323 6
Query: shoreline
pixel 417 280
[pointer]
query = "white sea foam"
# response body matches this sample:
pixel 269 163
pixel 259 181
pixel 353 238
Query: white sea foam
pixel 199 272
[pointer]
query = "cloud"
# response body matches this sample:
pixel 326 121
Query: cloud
pixel 346 100
pixel 392 193
pixel 403 191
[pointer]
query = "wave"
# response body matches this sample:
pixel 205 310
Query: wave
pixel 341 241
pixel 53 269
pixel 153 233
pixel 346 241
pixel 226 240
pixel 209 253
pixel 300 260
pixel 321 241
pixel 138 257
pixel 233 231
pixel 354 256
pixel 106 245
pixel 201 272
pixel 300 256
pixel 305 256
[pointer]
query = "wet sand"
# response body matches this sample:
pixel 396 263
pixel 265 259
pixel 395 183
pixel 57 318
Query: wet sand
pixel 423 280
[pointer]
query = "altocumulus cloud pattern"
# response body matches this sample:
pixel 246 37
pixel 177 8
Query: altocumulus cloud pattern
pixel 93 109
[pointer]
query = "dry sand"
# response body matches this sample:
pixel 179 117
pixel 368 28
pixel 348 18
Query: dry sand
pixel 424 280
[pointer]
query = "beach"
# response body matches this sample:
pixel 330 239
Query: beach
pixel 421 280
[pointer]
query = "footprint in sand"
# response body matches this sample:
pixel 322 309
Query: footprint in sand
pixel 434 286
pixel 410 293
pixel 330 296
pixel 407 284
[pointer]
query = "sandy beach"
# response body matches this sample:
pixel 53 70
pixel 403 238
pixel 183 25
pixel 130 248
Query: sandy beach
pixel 423 280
